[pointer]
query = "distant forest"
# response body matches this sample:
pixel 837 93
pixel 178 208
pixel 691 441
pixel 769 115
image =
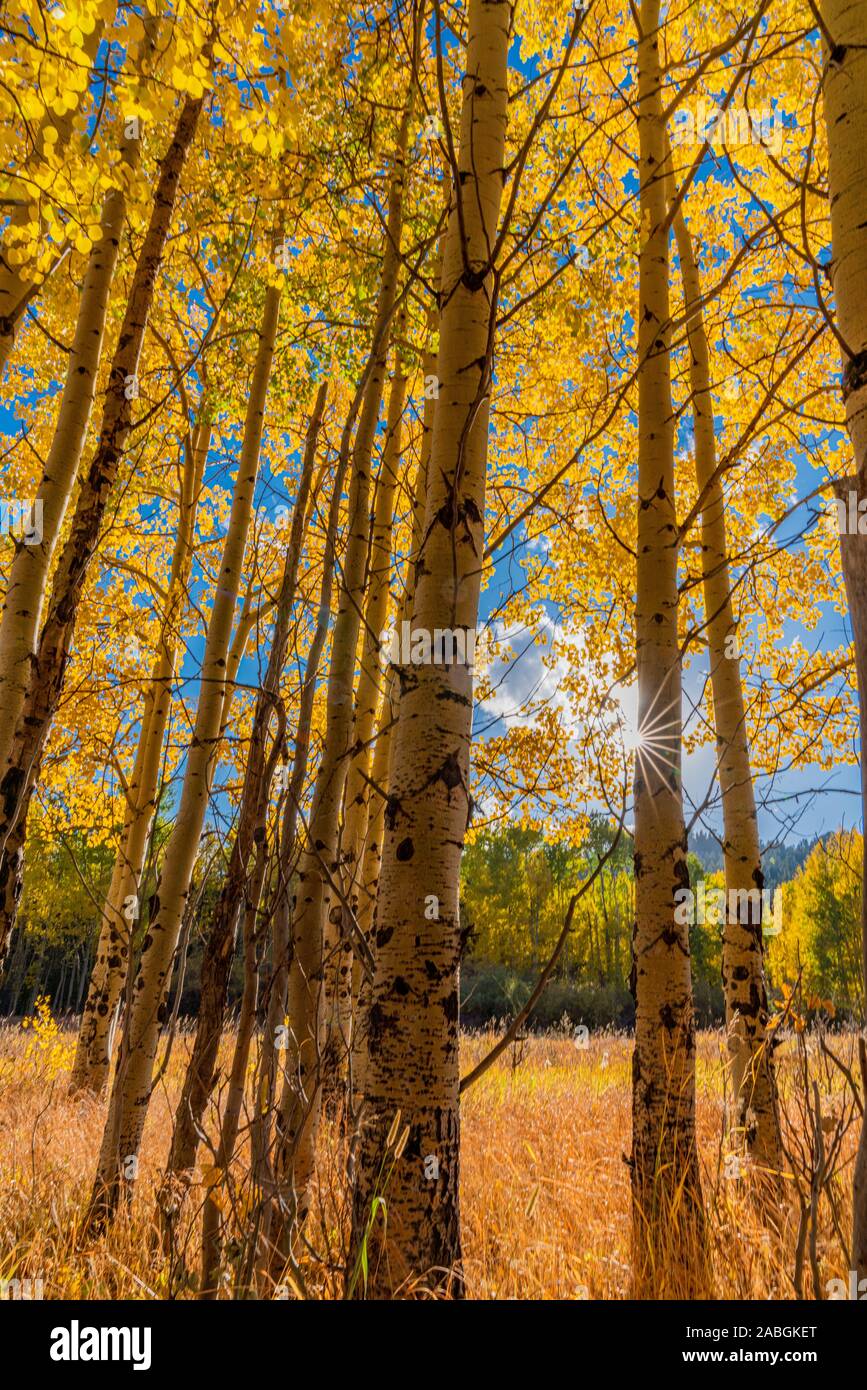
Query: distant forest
pixel 779 862
pixel 516 885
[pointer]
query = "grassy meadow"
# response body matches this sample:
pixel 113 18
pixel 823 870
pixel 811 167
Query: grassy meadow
pixel 545 1184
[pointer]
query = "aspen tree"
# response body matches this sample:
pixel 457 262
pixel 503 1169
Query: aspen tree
pixel 367 704
pixel 752 1065
pixel 258 775
pixel 275 1194
pixel 315 933
pixel 48 666
pixel 664 1162
pixel 845 96
pixel 369 691
pixel 121 908
pixel 231 1117
pixel 367 877
pixel 132 1082
pixel 28 577
pixel 412 1066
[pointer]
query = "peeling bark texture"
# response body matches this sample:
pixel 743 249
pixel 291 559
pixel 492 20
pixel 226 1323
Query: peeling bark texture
pixel 664 1163
pixel 235 894
pixel 132 1082
pixel 48 666
pixel 845 98
pixel 413 1025
pixel 92 1058
pixel 756 1113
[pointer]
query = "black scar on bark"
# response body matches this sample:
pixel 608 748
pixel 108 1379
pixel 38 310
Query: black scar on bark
pixel 407 678
pixel 375 1023
pixel 10 788
pixel 405 851
pixel 473 280
pixel 855 374
pixel 838 54
pixel 383 936
pixel 671 936
pixel 451 1007
pixel 454 695
pixel 449 773
pixel 401 987
pixel 669 1019
pixel 448 516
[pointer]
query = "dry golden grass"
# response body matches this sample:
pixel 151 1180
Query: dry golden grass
pixel 545 1195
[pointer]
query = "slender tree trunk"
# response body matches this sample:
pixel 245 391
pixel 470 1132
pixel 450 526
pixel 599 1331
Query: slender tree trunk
pixel 665 1174
pixel 273 1174
pixel 845 95
pixel 412 1065
pixel 132 1082
pixel 316 929
pixel 48 667
pixel 370 693
pixel 367 703
pixel 367 878
pixel 756 1113
pixel 219 948
pixel 121 909
pixel 231 1119
pixel 22 605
